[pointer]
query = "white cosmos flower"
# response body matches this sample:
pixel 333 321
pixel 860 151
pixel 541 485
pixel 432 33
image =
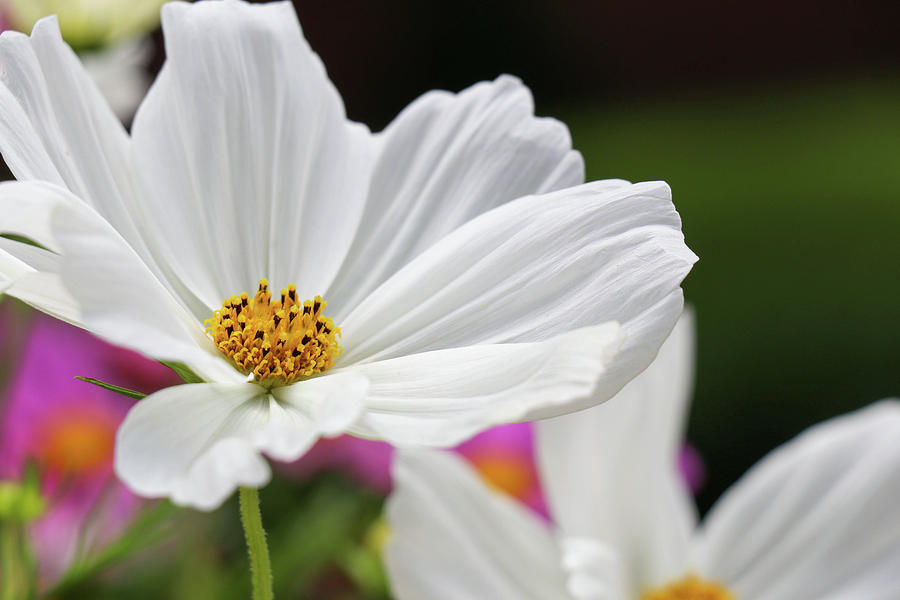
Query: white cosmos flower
pixel 475 279
pixel 817 519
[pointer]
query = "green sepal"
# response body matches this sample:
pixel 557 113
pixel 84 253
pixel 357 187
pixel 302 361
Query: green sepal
pixel 113 388
pixel 24 240
pixel 184 372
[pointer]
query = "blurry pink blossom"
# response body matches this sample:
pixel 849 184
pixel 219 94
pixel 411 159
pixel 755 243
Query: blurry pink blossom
pixel 692 468
pixel 67 429
pixel 367 462
pixel 503 455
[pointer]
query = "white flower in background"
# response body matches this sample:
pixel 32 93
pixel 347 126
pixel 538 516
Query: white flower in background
pixel 470 277
pixel 120 73
pixel 817 519
pixel 109 35
pixel 87 23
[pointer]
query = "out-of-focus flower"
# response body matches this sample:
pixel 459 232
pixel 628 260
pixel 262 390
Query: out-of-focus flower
pixel 368 462
pixel 503 455
pixel 472 277
pixel 66 429
pixel 87 24
pixel 692 467
pixel 109 36
pixel 120 72
pixel 817 518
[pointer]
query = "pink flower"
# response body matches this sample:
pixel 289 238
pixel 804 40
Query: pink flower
pixel 504 456
pixel 67 429
pixel 691 467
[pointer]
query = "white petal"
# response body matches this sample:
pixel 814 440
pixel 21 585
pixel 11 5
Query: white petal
pixel 108 289
pixel 818 518
pixel 251 167
pixel 326 405
pixel 194 443
pixel 55 125
pixel 446 159
pixel 453 538
pixel 594 569
pixel 610 472
pixel 31 274
pixel 197 443
pixel 445 396
pixel 533 268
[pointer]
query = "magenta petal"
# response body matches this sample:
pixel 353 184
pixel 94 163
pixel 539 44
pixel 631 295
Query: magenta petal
pixel 67 428
pixel 691 467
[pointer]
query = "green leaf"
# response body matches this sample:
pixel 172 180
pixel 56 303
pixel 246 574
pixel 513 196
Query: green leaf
pixel 184 372
pixel 24 240
pixel 113 388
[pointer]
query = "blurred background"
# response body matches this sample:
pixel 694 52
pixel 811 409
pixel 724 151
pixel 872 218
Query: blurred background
pixel 776 123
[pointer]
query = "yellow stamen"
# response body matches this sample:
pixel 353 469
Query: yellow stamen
pixel 278 341
pixel 690 587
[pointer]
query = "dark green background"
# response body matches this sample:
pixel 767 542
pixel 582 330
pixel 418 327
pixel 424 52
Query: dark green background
pixel 791 198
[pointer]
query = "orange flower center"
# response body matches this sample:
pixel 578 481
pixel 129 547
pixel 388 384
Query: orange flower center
pixel 78 444
pixel 690 587
pixel 278 342
pixel 505 473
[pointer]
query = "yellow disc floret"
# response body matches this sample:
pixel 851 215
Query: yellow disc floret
pixel 279 341
pixel 690 587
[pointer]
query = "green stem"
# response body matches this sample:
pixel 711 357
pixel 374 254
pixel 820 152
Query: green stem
pixel 260 567
pixel 14 580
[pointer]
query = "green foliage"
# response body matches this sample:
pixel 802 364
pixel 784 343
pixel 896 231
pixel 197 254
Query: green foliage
pixel 113 388
pixel 184 372
pixel 21 502
pixel 151 527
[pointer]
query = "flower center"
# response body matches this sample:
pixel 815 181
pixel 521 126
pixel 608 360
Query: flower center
pixel 279 341
pixel 690 587
pixel 510 474
pixel 78 443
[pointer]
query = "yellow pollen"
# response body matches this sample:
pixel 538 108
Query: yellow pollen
pixel 690 587
pixel 279 341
